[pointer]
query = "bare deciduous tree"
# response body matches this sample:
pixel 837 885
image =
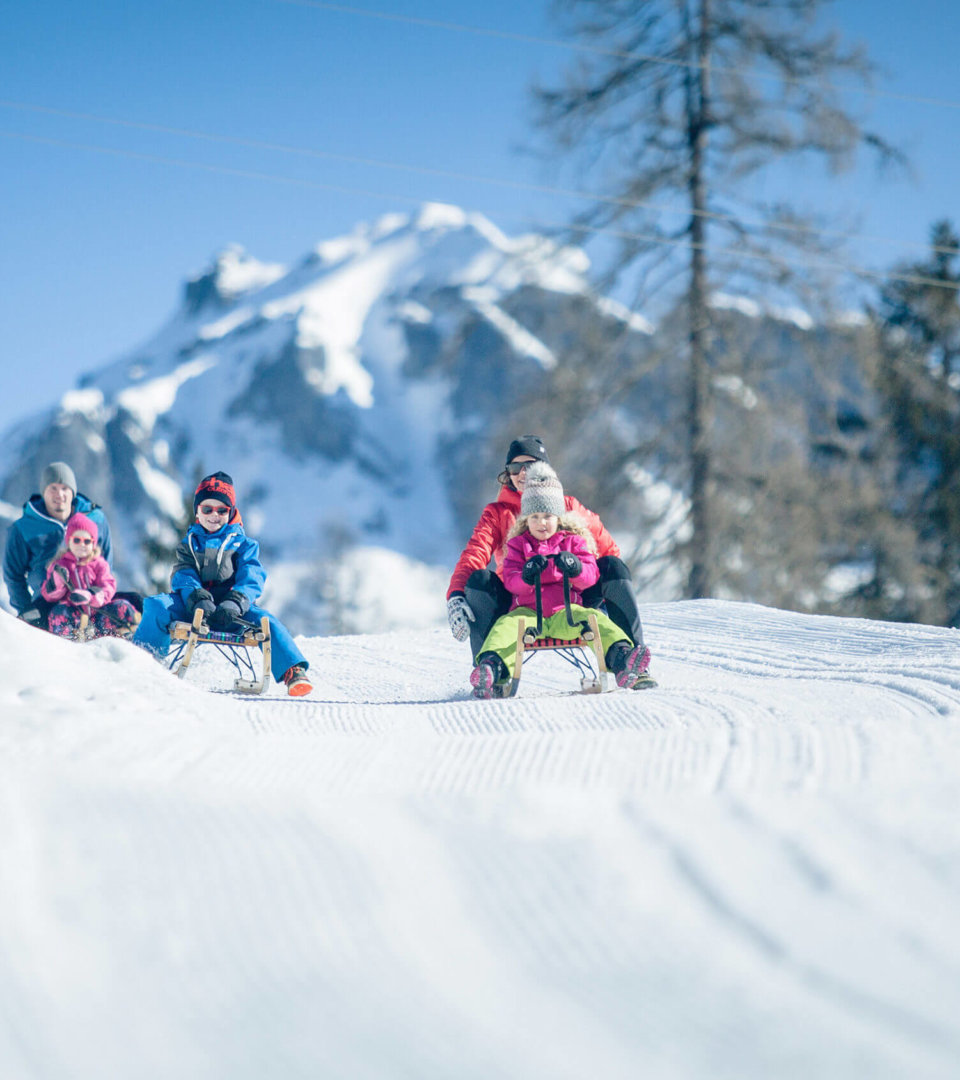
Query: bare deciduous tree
pixel 692 100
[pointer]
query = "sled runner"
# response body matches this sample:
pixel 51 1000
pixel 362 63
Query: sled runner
pixel 234 646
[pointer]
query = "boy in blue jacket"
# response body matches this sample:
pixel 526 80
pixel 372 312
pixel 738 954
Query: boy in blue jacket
pixel 218 570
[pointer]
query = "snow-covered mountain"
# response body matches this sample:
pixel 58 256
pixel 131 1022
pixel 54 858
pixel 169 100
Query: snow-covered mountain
pixel 749 873
pixel 362 400
pixel 354 397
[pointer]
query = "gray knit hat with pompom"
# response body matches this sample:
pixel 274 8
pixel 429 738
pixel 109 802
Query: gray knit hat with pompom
pixel 542 491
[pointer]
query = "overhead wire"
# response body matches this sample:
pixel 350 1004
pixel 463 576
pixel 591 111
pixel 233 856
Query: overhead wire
pixel 494 181
pixel 450 174
pixel 622 234
pixel 623 54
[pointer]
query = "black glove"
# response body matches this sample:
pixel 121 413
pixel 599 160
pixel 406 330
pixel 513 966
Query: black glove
pixel 240 599
pixel 567 563
pixel 227 613
pixel 200 598
pixel 533 568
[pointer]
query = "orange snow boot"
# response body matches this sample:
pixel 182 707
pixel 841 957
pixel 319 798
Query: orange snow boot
pixel 296 681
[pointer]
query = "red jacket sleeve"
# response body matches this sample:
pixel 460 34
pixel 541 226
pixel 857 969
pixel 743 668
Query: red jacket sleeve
pixel 486 538
pixel 606 545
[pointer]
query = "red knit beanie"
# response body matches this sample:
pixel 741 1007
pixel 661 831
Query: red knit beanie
pixel 81 523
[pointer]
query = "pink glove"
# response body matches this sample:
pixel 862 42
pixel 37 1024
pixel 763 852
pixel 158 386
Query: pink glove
pixel 80 597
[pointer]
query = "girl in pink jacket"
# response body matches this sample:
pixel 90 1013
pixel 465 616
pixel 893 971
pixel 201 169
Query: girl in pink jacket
pixel 79 582
pixel 548 543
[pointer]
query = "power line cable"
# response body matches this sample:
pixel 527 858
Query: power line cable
pixel 449 174
pixel 624 54
pixel 824 264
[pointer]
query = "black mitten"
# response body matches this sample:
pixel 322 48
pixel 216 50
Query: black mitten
pixel 533 568
pixel 567 563
pixel 227 613
pixel 240 599
pixel 200 598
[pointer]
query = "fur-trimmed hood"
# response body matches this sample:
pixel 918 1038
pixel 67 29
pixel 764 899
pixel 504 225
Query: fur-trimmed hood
pixel 570 522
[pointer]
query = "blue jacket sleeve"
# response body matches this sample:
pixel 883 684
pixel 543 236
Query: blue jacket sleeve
pixel 250 576
pixel 16 563
pixel 185 577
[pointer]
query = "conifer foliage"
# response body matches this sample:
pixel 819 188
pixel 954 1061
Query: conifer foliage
pixel 918 319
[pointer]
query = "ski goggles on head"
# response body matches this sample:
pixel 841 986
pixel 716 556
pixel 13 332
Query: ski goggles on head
pixel 217 508
pixel 516 467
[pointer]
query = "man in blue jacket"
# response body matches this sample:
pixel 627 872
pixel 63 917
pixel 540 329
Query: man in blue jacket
pixel 33 539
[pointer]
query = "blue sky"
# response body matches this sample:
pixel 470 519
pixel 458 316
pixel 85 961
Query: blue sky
pixel 94 245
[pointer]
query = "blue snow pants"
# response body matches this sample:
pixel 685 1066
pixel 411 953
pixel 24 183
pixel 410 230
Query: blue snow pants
pixel 160 611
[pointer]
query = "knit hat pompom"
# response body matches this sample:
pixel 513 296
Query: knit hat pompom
pixel 81 523
pixel 217 486
pixel 542 492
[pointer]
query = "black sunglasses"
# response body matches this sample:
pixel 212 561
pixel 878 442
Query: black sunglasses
pixel 516 467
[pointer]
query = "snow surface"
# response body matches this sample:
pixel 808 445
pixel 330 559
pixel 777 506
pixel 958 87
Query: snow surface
pixel 752 871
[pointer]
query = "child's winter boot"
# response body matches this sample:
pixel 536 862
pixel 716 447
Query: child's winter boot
pixel 489 677
pixel 629 664
pixel 296 681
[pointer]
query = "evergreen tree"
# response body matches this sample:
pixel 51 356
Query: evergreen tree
pixel 918 317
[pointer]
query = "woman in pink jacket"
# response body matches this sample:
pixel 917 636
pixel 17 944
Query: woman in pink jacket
pixel 554 546
pixel 79 582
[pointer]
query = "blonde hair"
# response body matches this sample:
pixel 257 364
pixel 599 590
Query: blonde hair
pixel 568 522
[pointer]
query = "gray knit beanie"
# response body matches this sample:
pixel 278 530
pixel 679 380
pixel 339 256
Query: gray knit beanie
pixel 58 472
pixel 542 491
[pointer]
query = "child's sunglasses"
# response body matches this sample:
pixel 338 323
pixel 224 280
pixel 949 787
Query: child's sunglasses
pixel 80 540
pixel 211 510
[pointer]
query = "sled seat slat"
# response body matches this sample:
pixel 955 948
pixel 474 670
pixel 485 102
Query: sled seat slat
pixel 180 631
pixel 558 643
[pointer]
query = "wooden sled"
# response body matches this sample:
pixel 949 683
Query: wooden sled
pixel 234 646
pixel 594 676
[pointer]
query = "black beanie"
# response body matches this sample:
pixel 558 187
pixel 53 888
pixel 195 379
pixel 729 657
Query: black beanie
pixel 529 446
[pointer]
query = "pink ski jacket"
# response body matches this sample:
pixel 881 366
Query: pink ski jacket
pixel 65 574
pixel 522 547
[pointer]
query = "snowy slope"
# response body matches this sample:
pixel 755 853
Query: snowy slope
pixel 753 871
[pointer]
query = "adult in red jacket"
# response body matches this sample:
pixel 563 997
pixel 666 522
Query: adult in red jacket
pixel 477 597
